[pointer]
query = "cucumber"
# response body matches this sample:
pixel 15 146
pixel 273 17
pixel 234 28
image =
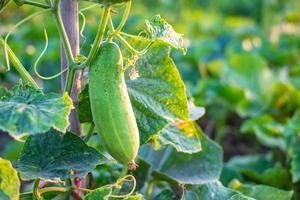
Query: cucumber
pixel 110 104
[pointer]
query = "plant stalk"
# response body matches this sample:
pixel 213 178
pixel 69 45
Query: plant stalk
pixel 18 65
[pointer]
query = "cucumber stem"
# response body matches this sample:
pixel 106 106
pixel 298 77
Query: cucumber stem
pixel 18 65
pixel 36 193
pixel 98 39
pixel 122 23
pixel 62 33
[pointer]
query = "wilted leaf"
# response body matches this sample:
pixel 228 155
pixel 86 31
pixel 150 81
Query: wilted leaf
pixel 27 111
pixel 53 155
pixel 9 181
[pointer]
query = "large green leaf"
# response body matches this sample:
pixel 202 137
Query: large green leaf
pixel 212 191
pixel 9 181
pixel 261 192
pixel 260 169
pixel 184 137
pixel 53 155
pixel 102 193
pixel 165 194
pixel 158 96
pixel 159 29
pixel 267 130
pixel 250 72
pixel 26 110
pixel 197 168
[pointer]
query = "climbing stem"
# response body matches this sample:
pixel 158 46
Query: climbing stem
pixel 132 49
pixel 125 43
pixel 36 193
pixel 62 32
pixel 18 65
pixel 53 189
pixel 70 80
pixel 123 21
pixel 98 39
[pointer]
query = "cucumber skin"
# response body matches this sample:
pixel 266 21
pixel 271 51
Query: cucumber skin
pixel 110 104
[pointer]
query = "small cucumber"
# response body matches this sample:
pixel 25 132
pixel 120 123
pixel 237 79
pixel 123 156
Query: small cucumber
pixel 110 104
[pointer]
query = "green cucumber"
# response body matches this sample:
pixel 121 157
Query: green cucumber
pixel 110 104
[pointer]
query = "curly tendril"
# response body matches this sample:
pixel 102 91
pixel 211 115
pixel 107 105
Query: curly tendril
pixel 118 186
pixel 39 58
pixel 14 28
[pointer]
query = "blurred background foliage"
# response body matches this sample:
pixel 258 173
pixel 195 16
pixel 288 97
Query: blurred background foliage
pixel 242 65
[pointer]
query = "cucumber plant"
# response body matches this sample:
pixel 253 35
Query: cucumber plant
pixel 141 139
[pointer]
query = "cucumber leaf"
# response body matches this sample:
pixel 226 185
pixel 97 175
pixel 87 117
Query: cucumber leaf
pixel 102 193
pixel 197 168
pixel 184 137
pixel 27 111
pixel 53 155
pixel 9 181
pixel 213 191
pixel 158 95
pixel 159 29
pixel 165 194
pixel 261 192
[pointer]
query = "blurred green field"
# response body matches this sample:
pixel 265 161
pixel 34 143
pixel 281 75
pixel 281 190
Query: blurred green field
pixel 242 65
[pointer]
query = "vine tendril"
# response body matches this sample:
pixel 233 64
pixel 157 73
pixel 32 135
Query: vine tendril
pixel 39 58
pixel 118 186
pixel 84 22
pixel 14 28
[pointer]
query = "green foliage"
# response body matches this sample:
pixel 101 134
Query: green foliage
pixel 53 155
pixel 242 66
pixel 261 192
pixel 9 181
pixel 213 191
pixel 167 162
pixel 159 29
pixel 27 111
pixel 100 193
pixel 157 75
